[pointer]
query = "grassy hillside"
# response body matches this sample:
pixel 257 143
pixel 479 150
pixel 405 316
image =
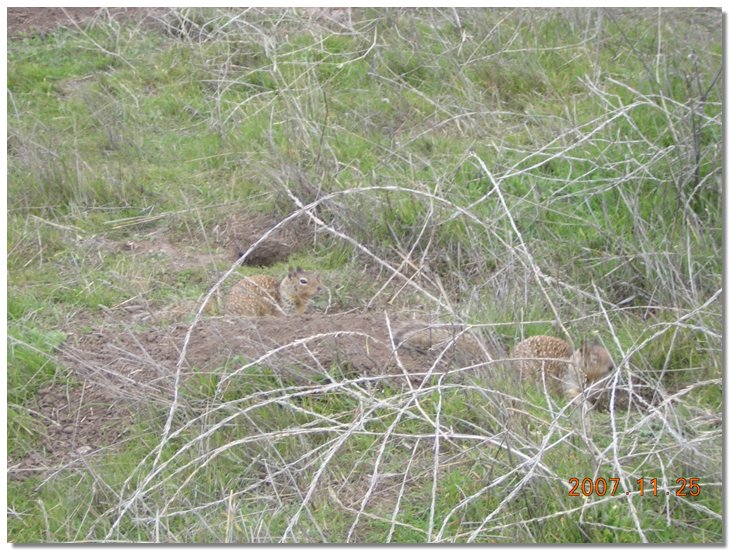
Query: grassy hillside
pixel 523 171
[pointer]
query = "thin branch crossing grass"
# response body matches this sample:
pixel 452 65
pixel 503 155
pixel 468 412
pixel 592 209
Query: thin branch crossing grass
pixel 478 205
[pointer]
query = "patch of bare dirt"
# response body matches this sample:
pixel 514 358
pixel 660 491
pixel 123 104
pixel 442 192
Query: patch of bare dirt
pixel 30 21
pixel 141 364
pixel 42 20
pixel 121 365
pixel 180 256
pixel 77 421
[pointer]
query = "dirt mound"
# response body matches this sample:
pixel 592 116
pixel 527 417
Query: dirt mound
pixel 137 364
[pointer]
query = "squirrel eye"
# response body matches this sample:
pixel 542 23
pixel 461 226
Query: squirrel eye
pixel 303 281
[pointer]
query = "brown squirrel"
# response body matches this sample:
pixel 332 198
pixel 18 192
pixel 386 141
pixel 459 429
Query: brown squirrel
pixel 565 370
pixel 260 295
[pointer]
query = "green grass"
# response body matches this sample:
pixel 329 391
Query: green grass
pixel 128 133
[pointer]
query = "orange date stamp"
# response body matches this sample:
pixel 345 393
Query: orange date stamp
pixel 649 486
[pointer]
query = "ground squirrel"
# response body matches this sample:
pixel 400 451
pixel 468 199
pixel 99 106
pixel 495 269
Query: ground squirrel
pixel 455 340
pixel 259 295
pixel 565 370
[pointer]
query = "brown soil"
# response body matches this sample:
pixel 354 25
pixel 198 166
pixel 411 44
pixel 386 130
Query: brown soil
pixel 30 21
pixel 77 422
pixel 140 364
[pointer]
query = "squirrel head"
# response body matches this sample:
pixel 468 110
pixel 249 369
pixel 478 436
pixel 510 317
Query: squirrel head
pixel 306 283
pixel 594 360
